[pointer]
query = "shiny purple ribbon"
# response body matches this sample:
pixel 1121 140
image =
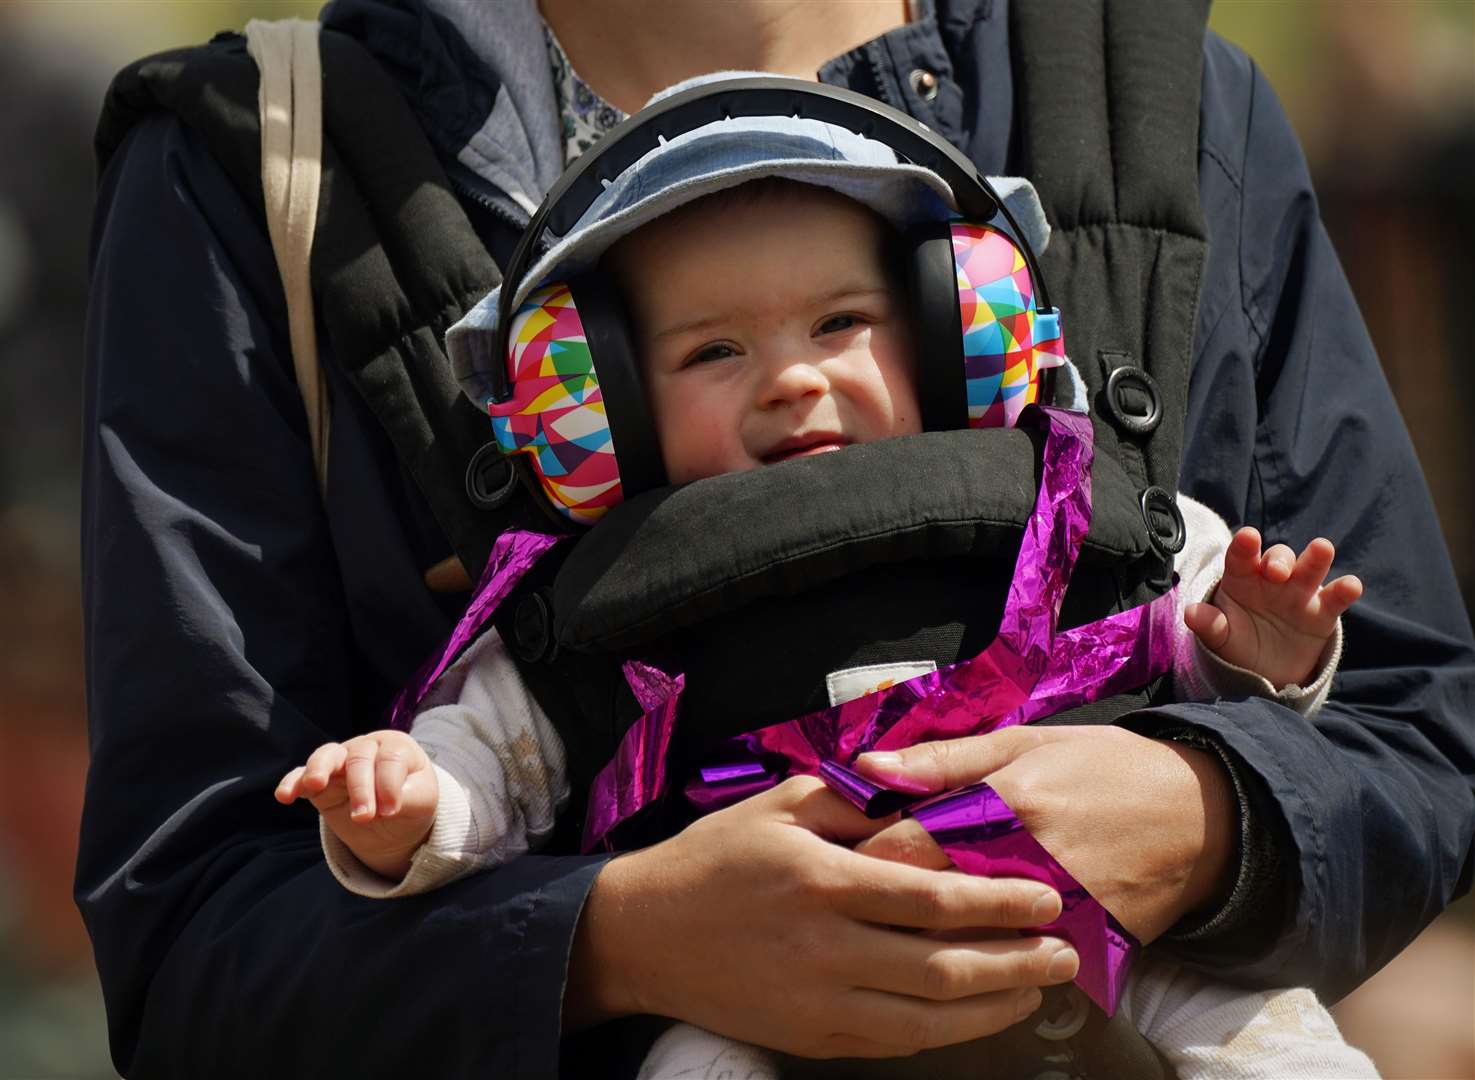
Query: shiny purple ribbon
pixel 982 835
pixel 639 764
pixel 513 555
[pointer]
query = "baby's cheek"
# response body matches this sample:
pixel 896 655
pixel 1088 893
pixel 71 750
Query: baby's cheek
pixel 896 367
pixel 692 450
pixel 907 420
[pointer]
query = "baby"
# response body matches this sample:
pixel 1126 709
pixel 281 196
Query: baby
pixel 770 326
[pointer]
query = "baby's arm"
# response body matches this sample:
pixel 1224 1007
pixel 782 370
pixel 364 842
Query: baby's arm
pixel 377 793
pixel 497 769
pixel 1271 613
pixel 1254 623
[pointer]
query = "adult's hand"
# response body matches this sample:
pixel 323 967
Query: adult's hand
pixel 1146 826
pixel 753 923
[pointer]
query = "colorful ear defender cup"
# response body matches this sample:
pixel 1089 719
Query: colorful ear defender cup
pixel 974 302
pixel 1008 345
pixel 559 411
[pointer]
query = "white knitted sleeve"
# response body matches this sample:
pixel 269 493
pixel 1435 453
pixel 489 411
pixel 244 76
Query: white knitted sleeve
pixel 1213 1031
pixel 500 765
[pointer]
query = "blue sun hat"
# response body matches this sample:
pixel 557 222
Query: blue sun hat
pixel 562 386
pixel 713 158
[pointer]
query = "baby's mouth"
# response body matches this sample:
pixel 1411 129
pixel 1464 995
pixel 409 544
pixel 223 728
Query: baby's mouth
pixel 805 446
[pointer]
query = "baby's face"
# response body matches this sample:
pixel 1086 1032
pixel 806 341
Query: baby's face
pixel 768 329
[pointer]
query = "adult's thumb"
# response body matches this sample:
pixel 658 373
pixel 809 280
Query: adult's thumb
pixel 929 768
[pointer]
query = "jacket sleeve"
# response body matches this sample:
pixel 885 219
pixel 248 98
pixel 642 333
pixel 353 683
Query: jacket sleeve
pixel 219 652
pixel 1291 427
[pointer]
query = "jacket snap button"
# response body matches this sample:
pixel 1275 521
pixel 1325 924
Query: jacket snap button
pixel 1165 527
pixel 924 84
pixel 1133 400
pixel 1067 1019
pixel 532 628
pixel 490 478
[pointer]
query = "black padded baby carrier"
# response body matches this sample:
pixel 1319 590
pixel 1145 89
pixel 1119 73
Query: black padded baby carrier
pixel 757 585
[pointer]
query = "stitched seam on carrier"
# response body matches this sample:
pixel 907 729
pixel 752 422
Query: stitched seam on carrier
pixel 808 553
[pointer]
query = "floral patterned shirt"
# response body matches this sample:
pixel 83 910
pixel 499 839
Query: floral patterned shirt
pixel 586 116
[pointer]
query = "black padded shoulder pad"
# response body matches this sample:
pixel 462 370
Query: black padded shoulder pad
pixel 676 557
pixel 395 260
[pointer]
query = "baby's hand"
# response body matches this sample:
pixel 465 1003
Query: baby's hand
pixel 377 792
pixel 1271 614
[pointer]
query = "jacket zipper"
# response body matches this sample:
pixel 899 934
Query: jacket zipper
pixel 472 187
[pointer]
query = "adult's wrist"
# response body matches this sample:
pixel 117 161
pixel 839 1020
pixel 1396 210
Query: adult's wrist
pixel 1212 876
pixel 605 965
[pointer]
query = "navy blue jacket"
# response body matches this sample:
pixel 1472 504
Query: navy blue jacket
pixel 235 622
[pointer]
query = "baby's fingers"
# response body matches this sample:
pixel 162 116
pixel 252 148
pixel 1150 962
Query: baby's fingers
pixel 1209 625
pixel 1278 564
pixel 1340 595
pixel 390 770
pixel 1243 557
pixel 322 765
pixel 289 788
pixel 1311 568
pixel 359 770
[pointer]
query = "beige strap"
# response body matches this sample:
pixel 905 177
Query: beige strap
pixel 291 103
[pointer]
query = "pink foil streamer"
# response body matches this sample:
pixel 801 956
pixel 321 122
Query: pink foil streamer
pixel 870 798
pixel 1111 656
pixel 982 835
pixel 722 785
pixel 513 555
pixel 650 685
pixel 638 767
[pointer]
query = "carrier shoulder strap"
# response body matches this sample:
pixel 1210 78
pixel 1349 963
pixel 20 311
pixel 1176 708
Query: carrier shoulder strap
pixel 394 261
pixel 1108 116
pixel 291 113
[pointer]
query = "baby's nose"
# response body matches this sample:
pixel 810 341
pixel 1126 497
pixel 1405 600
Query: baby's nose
pixel 793 380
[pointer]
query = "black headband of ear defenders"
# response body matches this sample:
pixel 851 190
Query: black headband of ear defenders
pixel 688 110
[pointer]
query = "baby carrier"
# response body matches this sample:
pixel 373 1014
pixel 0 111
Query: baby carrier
pixel 722 581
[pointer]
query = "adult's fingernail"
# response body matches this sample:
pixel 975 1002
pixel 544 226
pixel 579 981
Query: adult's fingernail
pixel 1063 965
pixel 886 768
pixel 1046 908
pixel 1027 1002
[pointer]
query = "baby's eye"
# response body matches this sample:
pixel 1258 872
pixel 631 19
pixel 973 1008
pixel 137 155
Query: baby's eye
pixel 717 351
pixel 836 323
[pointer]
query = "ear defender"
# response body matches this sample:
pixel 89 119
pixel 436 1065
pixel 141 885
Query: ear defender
pixel 975 309
pixel 561 403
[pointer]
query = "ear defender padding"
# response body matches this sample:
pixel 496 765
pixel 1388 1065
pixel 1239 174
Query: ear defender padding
pixel 975 310
pixel 562 398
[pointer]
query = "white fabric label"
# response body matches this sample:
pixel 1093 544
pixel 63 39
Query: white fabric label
pixel 856 682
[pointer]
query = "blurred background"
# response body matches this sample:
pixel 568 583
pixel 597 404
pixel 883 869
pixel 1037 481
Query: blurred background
pixel 1382 93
